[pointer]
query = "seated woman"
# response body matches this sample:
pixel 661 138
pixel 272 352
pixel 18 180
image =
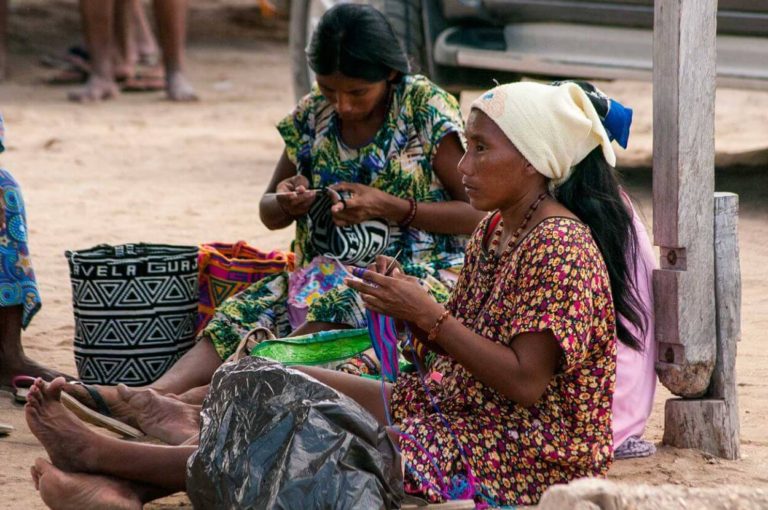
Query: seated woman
pixel 389 143
pixel 19 297
pixel 635 368
pixel 524 358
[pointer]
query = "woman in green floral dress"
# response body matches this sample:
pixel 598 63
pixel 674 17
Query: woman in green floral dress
pixel 388 142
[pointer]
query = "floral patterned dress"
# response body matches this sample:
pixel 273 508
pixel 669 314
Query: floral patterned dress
pixel 554 280
pixel 398 161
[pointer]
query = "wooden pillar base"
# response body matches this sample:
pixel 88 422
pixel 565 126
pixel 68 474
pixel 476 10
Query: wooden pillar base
pixel 704 424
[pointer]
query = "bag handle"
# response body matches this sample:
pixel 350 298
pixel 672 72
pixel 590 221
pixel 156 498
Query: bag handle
pixel 237 248
pixel 249 341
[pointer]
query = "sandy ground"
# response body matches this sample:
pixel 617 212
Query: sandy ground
pixel 143 169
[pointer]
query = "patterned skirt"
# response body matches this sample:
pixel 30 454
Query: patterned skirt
pixel 17 278
pixel 265 305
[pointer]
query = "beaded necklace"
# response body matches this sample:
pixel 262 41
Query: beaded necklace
pixel 496 238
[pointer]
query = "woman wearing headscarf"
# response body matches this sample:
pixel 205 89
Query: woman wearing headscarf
pixel 518 393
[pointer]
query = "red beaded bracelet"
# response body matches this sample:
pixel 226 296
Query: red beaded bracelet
pixel 408 218
pixel 436 328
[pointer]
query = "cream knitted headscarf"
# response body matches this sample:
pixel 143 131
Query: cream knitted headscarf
pixel 553 127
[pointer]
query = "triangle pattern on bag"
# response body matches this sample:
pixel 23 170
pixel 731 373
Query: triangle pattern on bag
pixel 87 296
pixel 131 374
pixel 109 290
pixel 132 295
pixel 151 286
pixel 174 292
pixel 155 366
pixel 221 290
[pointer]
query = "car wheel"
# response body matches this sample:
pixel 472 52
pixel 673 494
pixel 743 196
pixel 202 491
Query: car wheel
pixel 404 15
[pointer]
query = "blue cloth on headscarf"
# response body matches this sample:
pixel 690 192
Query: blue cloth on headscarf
pixel 615 117
pixel 617 122
pixel 18 285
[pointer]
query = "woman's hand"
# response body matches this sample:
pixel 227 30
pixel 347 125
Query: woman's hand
pixel 358 202
pixel 400 296
pixel 384 265
pixel 295 198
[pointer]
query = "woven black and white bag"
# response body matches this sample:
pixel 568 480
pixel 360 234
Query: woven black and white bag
pixel 135 307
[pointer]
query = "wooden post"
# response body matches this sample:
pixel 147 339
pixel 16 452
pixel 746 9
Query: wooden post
pixel 683 188
pixel 712 424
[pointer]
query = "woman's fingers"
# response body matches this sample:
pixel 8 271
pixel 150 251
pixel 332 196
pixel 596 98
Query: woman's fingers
pixel 374 277
pixel 351 187
pixel 374 304
pixel 362 286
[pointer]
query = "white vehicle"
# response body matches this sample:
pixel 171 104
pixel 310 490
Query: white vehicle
pixel 463 44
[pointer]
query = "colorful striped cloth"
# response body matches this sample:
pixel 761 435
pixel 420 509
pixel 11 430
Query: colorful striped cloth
pixel 226 269
pixel 383 333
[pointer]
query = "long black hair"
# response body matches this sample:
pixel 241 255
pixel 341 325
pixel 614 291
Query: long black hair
pixel 592 193
pixel 357 41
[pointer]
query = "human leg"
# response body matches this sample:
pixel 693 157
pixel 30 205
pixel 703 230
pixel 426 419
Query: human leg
pixel 195 396
pixel 167 419
pixel 126 52
pixel 98 26
pixel 73 447
pixel 13 361
pixel 75 491
pixel 366 392
pixel 3 37
pixel 172 28
pixel 146 44
pixel 19 297
pixel 193 370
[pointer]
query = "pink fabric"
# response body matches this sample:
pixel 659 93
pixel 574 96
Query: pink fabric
pixel 635 371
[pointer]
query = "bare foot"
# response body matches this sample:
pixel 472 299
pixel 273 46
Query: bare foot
pixel 76 491
pixel 179 88
pixel 118 408
pixel 25 366
pixel 95 89
pixel 70 444
pixel 165 418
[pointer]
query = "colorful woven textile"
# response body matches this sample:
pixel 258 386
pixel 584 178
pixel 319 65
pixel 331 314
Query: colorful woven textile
pixel 17 278
pixel 383 333
pixel 226 269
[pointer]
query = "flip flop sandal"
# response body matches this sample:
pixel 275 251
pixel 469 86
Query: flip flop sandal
pixel 141 83
pixel 68 76
pixel 5 429
pixel 21 385
pixel 101 416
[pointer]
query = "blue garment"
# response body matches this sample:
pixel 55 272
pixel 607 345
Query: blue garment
pixel 616 118
pixel 18 285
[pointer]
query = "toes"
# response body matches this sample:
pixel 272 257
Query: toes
pixel 42 466
pixel 35 396
pixel 31 413
pixel 35 477
pixel 124 391
pixel 135 398
pixel 53 389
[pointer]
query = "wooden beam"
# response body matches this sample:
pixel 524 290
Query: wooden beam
pixel 712 424
pixel 727 295
pixel 683 187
